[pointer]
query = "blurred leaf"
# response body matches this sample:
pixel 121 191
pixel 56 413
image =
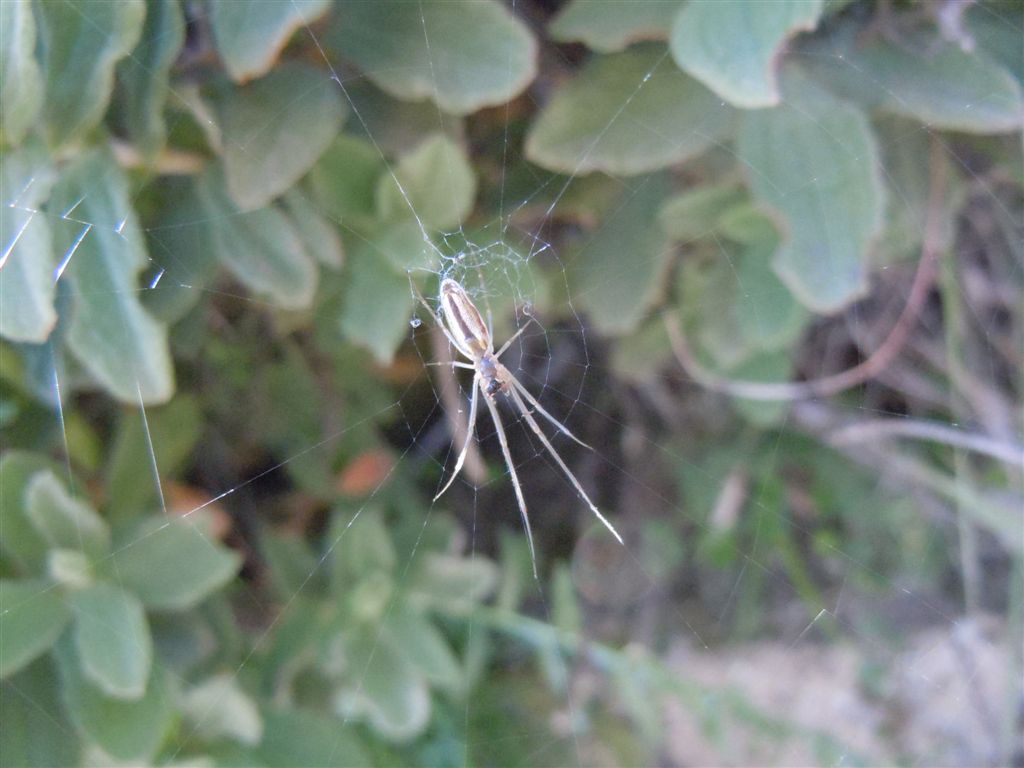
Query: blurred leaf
pixel 452 583
pixel 297 737
pixel 170 564
pixel 344 180
pixel 21 81
pixel 434 183
pixel 403 246
pixel 112 637
pixel 126 730
pixel 768 367
pixel 734 48
pixel 291 565
pixel 999 37
pixel 173 431
pixel 944 87
pixel 81 42
pixel 829 195
pixel 181 236
pixel 695 214
pixel 421 644
pixel 27 287
pixel 275 129
pixel 21 541
pixel 907 160
pixel 261 247
pixel 388 691
pixel 219 708
pixel 626 114
pixel 769 316
pixel 462 54
pixel 70 568
pixel 34 615
pixel 110 334
pixel 565 609
pixel 609 26
pixel 363 545
pixel 63 521
pixel 393 125
pixel 145 75
pixel 319 236
pixel 36 731
pixel 378 302
pixel 250 34
pixel 619 273
pixel 641 355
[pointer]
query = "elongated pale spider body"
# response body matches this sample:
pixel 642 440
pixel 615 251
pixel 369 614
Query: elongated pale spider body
pixel 465 328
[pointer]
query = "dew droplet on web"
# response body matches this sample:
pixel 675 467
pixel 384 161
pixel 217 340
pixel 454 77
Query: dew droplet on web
pixel 415 322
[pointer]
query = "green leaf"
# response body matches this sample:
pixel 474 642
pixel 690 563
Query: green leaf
pixel 261 248
pixel 81 42
pixel 626 114
pixel 619 274
pixel 275 129
pixel 21 541
pixel 733 48
pixel 112 638
pixel 171 564
pixel 566 614
pixel 767 367
pixel 610 26
pixel 695 214
pixel 250 34
pixel 27 288
pixel 945 88
pixel 344 181
pixel 462 54
pixel 829 195
pixel 452 583
pixel 126 730
pixel 145 75
pixel 34 615
pixel 364 545
pixel 173 431
pixel 421 644
pixel 319 235
pixel 907 159
pixel 434 183
pixel 63 521
pixel 36 731
pixel 378 302
pixel 389 692
pixel 110 334
pixel 219 708
pixel 769 316
pixel 297 737
pixel 21 81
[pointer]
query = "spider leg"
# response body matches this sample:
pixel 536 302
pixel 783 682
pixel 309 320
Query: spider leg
pixel 469 436
pixel 533 401
pixel 515 478
pixel 572 478
pixel 512 338
pixel 454 364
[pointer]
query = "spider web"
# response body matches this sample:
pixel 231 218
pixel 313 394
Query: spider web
pixel 507 270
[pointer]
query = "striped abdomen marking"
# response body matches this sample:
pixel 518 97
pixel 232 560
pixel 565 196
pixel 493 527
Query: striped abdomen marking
pixel 463 318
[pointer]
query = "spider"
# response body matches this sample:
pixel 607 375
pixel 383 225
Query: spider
pixel 465 329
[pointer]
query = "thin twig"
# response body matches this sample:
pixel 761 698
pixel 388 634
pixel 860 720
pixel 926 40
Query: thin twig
pixel 876 429
pixel 451 398
pixel 878 361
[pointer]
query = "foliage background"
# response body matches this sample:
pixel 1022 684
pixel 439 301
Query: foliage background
pixel 780 293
